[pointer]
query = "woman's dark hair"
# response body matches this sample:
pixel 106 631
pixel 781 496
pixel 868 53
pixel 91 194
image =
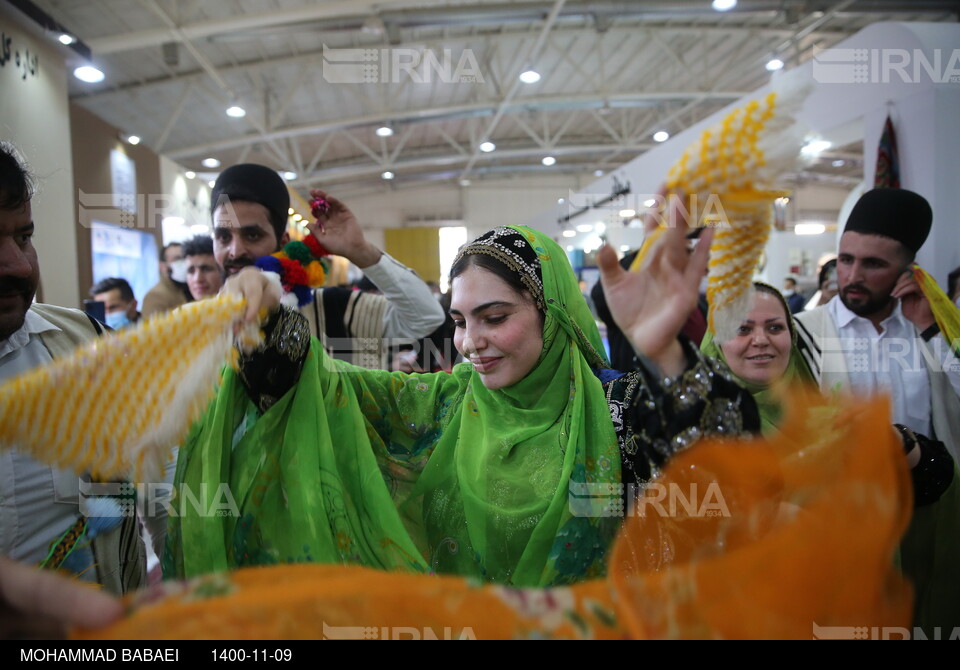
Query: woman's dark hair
pixel 490 264
pixel 16 183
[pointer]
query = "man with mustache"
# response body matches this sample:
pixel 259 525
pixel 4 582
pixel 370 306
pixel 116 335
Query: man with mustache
pixel 878 333
pixel 249 206
pixel 41 506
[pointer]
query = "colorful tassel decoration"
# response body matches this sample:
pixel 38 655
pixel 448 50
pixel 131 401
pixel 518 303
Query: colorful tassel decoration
pixel 77 413
pixel 730 175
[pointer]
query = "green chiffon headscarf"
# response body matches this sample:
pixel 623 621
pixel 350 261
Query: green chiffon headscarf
pixel 422 472
pixel 768 397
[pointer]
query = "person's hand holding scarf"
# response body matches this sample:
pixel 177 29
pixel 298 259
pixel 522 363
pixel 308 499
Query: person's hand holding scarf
pixel 652 305
pixel 261 292
pixel 916 308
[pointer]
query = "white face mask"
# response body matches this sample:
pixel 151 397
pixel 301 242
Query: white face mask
pixel 178 270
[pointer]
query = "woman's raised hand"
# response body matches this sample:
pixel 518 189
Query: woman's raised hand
pixel 652 305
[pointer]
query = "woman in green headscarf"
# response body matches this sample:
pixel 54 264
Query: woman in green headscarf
pixel 764 358
pixel 513 468
pixel 763 354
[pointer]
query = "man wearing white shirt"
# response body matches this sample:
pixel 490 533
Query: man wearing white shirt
pixel 39 505
pixel 878 333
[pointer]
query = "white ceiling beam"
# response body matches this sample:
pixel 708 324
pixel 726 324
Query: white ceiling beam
pixel 455 111
pixel 177 110
pixel 515 85
pixel 313 57
pixel 447 161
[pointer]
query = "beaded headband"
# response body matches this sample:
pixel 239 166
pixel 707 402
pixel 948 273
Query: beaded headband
pixel 510 248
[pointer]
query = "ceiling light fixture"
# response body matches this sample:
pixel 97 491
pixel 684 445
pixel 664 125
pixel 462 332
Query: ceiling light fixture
pixel 724 5
pixel 289 175
pixel 133 139
pixel 190 174
pixel 66 39
pixel 569 233
pixel 627 213
pixel 548 160
pixel 387 175
pixel 384 131
pixel 661 136
pixel 529 76
pixel 487 147
pixel 210 163
pixel 89 74
pixel 815 147
pixel 774 64
pixel 236 111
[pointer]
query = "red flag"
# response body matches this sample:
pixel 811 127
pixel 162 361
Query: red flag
pixel 888 163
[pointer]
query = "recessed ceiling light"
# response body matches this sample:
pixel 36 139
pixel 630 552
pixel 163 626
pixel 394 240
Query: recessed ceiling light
pixel 289 176
pixel 211 183
pixel 530 77
pixel 724 5
pixel 627 213
pixel 66 39
pixel 384 131
pixel 661 136
pixel 236 111
pixel 387 175
pixel 569 233
pixel 774 64
pixel 585 227
pixel 487 147
pixel 815 147
pixel 548 160
pixel 210 163
pixel 133 139
pixel 190 174
pixel 89 74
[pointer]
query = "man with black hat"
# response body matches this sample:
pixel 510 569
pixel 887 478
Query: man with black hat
pixel 878 333
pixel 249 206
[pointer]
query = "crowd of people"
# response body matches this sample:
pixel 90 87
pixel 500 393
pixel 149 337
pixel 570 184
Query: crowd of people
pixel 336 454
